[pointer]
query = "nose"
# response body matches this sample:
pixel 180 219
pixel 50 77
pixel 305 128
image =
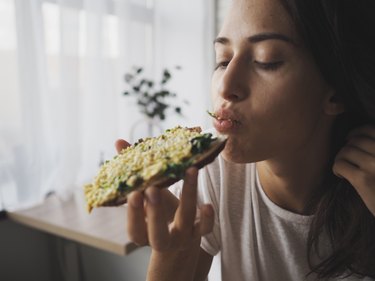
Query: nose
pixel 233 83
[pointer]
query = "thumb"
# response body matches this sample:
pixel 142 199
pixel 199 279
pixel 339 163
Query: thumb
pixel 120 144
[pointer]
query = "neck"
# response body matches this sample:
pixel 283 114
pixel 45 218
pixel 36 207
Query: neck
pixel 292 182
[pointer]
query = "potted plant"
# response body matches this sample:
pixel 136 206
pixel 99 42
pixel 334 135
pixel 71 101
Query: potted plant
pixel 153 98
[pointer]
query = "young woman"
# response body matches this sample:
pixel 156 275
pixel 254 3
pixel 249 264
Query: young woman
pixel 292 196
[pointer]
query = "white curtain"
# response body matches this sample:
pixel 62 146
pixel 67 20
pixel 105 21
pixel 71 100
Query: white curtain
pixel 62 66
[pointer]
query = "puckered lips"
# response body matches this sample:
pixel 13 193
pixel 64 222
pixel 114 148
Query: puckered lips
pixel 225 120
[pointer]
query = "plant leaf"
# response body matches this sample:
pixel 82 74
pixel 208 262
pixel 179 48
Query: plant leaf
pixel 166 74
pixel 128 77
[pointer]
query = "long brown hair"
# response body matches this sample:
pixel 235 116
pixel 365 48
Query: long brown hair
pixel 341 36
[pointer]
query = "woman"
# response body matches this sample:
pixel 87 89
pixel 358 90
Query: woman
pixel 292 196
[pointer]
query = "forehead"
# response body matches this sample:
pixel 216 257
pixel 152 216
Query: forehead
pixel 249 17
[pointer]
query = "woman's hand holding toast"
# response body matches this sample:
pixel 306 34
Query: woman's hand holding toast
pixel 157 218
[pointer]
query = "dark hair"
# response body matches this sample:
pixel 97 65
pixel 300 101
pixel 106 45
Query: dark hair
pixel 341 37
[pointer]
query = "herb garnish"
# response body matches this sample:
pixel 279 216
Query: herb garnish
pixel 201 143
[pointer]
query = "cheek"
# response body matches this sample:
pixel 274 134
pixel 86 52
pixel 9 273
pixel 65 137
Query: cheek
pixel 299 96
pixel 284 119
pixel 300 116
pixel 214 87
pixel 294 114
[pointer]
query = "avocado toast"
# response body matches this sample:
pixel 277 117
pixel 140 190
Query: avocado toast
pixel 158 161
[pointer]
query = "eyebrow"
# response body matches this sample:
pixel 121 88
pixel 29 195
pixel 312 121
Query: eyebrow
pixel 258 38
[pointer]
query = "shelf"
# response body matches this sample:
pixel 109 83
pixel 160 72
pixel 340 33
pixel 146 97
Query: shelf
pixel 104 228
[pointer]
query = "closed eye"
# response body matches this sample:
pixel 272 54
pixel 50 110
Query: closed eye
pixel 221 65
pixel 268 66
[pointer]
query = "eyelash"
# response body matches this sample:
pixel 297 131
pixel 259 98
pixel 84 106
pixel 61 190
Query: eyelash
pixel 267 66
pixel 222 64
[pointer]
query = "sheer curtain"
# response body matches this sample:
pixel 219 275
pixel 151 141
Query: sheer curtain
pixel 62 68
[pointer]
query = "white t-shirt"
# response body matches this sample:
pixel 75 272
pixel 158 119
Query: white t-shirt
pixel 257 240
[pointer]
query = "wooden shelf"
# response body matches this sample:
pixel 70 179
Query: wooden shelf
pixel 104 228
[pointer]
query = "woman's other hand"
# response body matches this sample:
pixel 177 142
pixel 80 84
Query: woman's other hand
pixel 356 163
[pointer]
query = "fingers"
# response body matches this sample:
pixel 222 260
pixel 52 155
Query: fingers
pixel 137 228
pixel 356 157
pixel 358 154
pixel 120 144
pixel 186 212
pixel 345 169
pixel 206 223
pixel 362 181
pixel 157 226
pixel 185 228
pixel 356 163
pixel 149 216
pixel 170 203
pixel 367 130
pixel 363 143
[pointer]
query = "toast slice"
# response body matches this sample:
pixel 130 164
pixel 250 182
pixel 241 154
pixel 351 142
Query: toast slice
pixel 159 161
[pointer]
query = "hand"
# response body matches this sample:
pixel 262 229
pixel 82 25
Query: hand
pixel 157 218
pixel 356 163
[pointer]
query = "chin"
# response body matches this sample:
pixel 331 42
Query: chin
pixel 241 152
pixel 234 154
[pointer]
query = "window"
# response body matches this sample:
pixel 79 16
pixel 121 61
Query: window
pixel 10 110
pixel 62 68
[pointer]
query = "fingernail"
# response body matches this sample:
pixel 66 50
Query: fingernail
pixel 191 173
pixel 153 196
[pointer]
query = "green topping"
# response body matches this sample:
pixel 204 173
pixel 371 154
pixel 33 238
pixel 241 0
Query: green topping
pixel 201 143
pixel 138 142
pixel 126 186
pixel 211 114
pixel 177 170
pixel 123 187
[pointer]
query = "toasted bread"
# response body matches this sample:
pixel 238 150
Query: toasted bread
pixel 159 161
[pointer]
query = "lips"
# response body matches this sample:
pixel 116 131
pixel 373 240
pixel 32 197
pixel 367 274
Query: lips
pixel 225 115
pixel 226 121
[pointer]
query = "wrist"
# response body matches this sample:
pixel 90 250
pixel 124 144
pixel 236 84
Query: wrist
pixel 176 264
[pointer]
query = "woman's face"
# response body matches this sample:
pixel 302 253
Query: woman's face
pixel 267 91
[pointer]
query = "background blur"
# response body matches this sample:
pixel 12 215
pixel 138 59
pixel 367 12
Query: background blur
pixel 62 68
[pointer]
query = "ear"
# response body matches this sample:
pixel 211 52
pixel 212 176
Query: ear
pixel 333 104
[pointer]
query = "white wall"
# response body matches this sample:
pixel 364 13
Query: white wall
pixel 185 31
